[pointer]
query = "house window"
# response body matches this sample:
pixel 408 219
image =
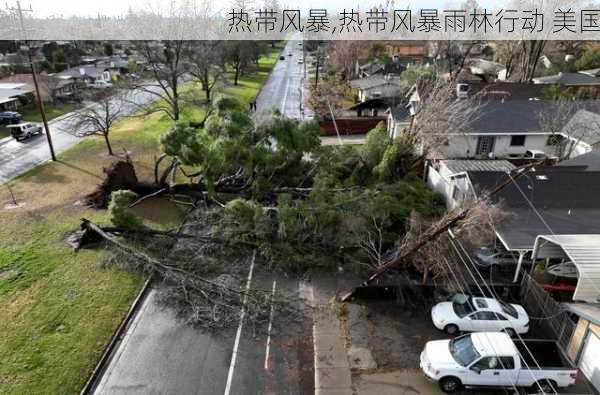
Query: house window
pixel 555 140
pixel 517 141
pixel 455 193
pixel 485 145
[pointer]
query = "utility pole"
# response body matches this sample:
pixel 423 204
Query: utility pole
pixel 40 102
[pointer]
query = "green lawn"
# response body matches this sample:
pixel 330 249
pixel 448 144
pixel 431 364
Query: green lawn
pixel 31 112
pixel 4 132
pixel 60 308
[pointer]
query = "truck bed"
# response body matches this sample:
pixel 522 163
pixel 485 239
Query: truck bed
pixel 544 353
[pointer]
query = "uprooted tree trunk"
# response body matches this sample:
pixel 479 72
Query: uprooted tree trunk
pixel 119 175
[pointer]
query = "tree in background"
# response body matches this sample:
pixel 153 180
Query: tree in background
pixel 206 63
pixel 100 117
pixel 108 49
pixel 241 55
pixel 589 60
pixel 344 55
pixel 166 64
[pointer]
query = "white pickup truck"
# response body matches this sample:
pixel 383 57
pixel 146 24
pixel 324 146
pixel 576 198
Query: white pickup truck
pixel 493 360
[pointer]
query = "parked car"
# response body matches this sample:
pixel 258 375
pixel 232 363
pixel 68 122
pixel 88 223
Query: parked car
pixel 493 360
pixel 480 315
pixel 487 257
pixel 24 131
pixel 282 57
pixel 10 118
pixel 300 61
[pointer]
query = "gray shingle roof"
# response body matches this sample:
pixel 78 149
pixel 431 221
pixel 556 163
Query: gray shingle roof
pixel 568 79
pixel 585 162
pixel 525 116
pixel 374 81
pixel 567 200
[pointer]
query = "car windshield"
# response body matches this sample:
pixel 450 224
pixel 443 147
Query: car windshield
pixel 463 309
pixel 509 309
pixel 463 351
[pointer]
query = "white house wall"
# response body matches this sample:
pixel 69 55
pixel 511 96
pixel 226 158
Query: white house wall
pixel 466 146
pixel 441 181
pixel 387 90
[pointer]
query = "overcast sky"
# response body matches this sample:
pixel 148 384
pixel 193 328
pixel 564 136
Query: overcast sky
pixel 45 8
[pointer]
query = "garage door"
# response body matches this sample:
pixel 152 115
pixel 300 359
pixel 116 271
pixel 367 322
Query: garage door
pixel 590 359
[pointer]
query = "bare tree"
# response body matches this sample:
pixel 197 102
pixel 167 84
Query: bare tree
pixel 439 115
pixel 531 51
pixel 100 117
pixel 568 123
pixel 344 55
pixel 206 64
pixel 507 53
pixel 453 55
pixel 240 55
pixel 51 84
pixel 165 63
pixel 476 229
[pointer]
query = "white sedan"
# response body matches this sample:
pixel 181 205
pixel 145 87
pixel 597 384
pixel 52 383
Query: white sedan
pixel 480 315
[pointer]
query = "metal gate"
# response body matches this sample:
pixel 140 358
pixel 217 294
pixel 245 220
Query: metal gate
pixel 545 313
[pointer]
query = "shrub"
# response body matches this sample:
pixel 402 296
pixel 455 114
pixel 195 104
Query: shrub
pixel 120 214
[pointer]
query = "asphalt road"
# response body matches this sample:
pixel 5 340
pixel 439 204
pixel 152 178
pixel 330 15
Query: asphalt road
pixel 161 355
pixel 285 88
pixel 18 157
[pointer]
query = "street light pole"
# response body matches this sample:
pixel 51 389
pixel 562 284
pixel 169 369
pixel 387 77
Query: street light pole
pixel 40 102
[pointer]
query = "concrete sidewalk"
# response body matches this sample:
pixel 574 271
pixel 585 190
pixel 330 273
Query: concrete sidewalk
pixel 332 370
pixel 398 382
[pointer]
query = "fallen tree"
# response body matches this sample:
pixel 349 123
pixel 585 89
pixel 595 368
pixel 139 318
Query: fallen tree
pixel 202 298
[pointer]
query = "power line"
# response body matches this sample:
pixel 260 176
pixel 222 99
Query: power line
pixel 491 343
pixel 19 10
pixel 536 211
pixel 492 293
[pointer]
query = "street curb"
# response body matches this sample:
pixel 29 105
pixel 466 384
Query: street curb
pixel 5 140
pixel 100 368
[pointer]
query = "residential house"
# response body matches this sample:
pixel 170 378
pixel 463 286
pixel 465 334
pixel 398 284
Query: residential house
pixel 573 82
pixel 577 80
pixel 379 68
pixel 543 201
pixel 86 74
pixel 375 107
pixel 585 162
pixel 498 90
pixel 12 95
pixel 485 69
pixel 449 177
pixel 584 344
pixel 377 86
pixel 51 88
pixel 399 118
pixel 409 50
pixel 512 128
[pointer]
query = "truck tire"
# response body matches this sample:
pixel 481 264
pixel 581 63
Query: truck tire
pixel 545 386
pixel 450 385
pixel 451 329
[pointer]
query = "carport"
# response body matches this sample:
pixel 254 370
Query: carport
pixel 583 251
